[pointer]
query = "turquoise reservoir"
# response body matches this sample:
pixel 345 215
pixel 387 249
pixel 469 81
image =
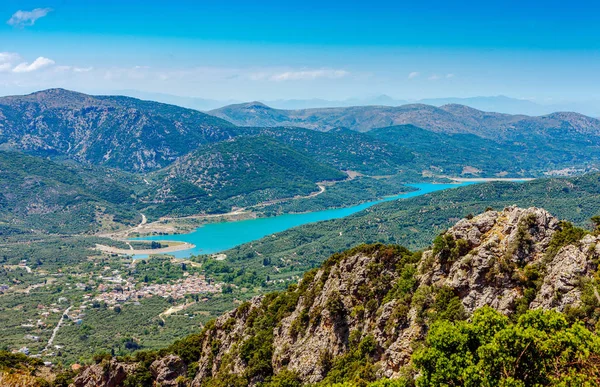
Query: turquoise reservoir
pixel 217 237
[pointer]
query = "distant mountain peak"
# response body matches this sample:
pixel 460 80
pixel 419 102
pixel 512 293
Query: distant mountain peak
pixel 458 106
pixel 56 91
pixel 59 93
pixel 255 104
pixel 114 131
pixel 52 98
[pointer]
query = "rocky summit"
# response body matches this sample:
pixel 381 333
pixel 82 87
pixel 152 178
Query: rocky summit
pixel 379 302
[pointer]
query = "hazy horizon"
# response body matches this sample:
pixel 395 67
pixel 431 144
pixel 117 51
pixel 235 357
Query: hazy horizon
pixel 497 103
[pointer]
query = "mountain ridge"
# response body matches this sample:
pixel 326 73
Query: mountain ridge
pixel 51 197
pixel 145 137
pixel 248 169
pixel 119 132
pixel 358 318
pixel 449 118
pixel 497 103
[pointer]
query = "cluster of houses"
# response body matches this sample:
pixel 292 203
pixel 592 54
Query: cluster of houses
pixel 127 291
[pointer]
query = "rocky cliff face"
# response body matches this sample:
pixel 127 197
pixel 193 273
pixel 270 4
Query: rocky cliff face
pixel 382 299
pixel 562 286
pixel 108 374
pixel 479 258
pixel 344 299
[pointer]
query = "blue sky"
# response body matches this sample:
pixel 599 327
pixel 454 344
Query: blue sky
pixel 245 50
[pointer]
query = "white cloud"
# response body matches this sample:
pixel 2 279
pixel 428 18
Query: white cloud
pixel 8 57
pixel 450 76
pixel 413 75
pixel 27 18
pixel 434 77
pixel 303 75
pixel 37 64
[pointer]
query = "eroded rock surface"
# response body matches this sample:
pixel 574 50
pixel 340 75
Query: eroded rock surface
pixel 168 371
pixel 106 374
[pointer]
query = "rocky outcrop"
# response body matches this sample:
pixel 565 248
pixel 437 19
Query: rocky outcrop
pixel 106 374
pixel 220 342
pixel 495 246
pixel 338 301
pixel 484 261
pixel 564 274
pixel 168 371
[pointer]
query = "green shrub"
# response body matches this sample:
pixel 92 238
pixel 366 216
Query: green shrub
pixel 356 367
pixel 335 306
pixel 541 349
pixel 449 249
pixel 401 382
pixel 17 360
pixel 566 234
pixel 100 357
pixel 284 378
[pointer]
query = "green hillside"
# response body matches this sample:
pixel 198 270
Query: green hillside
pixel 347 150
pixel 241 172
pixel 526 154
pixel 37 194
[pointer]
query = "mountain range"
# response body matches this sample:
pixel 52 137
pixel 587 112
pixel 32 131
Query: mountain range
pixel 179 161
pixel 451 118
pixel 499 103
pixel 124 132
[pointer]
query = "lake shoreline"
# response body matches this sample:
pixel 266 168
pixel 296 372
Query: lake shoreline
pixel 215 237
pixel 218 237
pixel 460 180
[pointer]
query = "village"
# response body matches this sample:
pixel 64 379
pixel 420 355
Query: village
pixel 110 287
pixel 117 290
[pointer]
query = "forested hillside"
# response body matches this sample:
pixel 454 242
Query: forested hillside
pixel 38 194
pixel 348 150
pixel 119 132
pixel 241 172
pixel 467 154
